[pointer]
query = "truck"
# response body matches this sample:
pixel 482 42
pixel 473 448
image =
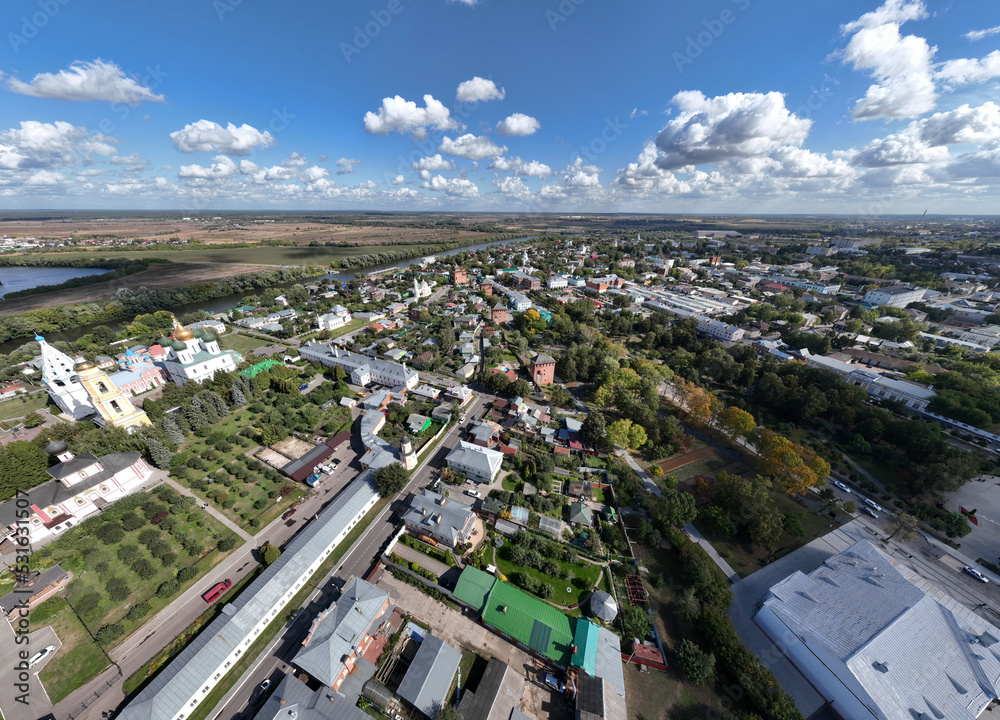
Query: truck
pixel 216 591
pixel 313 480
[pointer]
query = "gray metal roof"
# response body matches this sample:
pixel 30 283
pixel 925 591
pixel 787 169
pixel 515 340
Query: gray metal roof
pixel 898 651
pixel 482 459
pixel 446 520
pixel 609 660
pixel 292 700
pixel 336 632
pixel 427 681
pixel 171 691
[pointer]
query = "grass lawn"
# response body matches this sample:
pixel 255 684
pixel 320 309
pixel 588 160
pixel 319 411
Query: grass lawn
pixel 353 325
pixel 20 406
pixel 80 659
pixel 598 494
pixel 241 343
pixel 699 467
pixel 745 558
pixel 512 483
pixel 584 577
pixel 190 541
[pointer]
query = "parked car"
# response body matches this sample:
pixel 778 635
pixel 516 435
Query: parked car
pixel 216 591
pixel 976 574
pixel 41 655
pixel 288 513
pixel 872 504
pixel 553 683
pixel 303 387
pixel 842 486
pixel 473 493
pixel 869 511
pixel 264 686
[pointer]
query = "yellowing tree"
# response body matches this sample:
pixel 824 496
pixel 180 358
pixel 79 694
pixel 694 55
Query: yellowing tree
pixel 736 422
pixel 626 434
pixel 794 468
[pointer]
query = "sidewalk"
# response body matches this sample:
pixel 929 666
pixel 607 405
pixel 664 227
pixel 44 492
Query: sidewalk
pixel 697 537
pixel 647 481
pixel 209 509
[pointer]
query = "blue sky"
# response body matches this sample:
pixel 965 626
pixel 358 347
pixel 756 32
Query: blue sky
pixel 518 105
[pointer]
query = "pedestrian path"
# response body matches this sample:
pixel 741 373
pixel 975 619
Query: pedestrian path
pixel 697 537
pixel 647 481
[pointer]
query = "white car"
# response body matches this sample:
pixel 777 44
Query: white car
pixel 871 503
pixel 976 574
pixel 473 493
pixel 870 512
pixel 842 486
pixel 40 655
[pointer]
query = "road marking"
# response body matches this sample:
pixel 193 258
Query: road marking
pixel 951 562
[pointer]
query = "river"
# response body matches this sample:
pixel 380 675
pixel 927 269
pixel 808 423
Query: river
pixel 23 278
pixel 227 302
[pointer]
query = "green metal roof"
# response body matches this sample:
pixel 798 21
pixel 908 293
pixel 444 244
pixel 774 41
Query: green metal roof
pixel 586 639
pixel 253 370
pixel 516 613
pixel 473 587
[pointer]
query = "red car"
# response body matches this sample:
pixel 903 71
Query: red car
pixel 217 590
pixel 288 513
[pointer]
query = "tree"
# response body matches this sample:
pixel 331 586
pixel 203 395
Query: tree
pixel 828 496
pixel 635 622
pixel 33 420
pixel 688 605
pixel 736 422
pixel 766 527
pixel 695 664
pixel 270 553
pixel 110 533
pixel 23 465
pixel 448 712
pixel 716 521
pixel 903 525
pixel 171 430
pixel 158 453
pixel 520 388
pixel 626 434
pixel 794 468
pixel 391 479
pixel 594 429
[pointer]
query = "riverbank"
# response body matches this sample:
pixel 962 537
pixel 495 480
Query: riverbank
pixel 173 275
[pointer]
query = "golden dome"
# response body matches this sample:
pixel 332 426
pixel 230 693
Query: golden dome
pixel 181 332
pixel 84 365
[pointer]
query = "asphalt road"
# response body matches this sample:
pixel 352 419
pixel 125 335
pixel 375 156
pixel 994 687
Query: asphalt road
pixel 358 561
pixel 933 561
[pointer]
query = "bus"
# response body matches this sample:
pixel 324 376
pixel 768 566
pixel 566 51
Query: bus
pixel 216 591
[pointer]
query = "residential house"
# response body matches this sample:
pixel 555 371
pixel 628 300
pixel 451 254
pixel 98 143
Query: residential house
pixel 436 516
pixel 478 463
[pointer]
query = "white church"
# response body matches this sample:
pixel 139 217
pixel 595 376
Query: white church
pixel 190 357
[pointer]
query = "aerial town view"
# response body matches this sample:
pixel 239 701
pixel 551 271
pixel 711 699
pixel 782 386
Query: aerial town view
pixel 348 371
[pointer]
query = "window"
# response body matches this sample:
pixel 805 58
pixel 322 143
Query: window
pixel 114 406
pixel 81 502
pixel 227 664
pixel 101 387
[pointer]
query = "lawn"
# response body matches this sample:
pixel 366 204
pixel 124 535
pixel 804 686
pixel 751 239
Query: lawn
pixel 20 406
pixel 700 467
pixel 584 577
pixel 745 558
pixel 241 343
pixel 512 483
pixel 244 489
pixel 80 659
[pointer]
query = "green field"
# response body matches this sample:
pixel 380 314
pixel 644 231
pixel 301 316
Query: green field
pixel 241 343
pixel 20 406
pixel 700 467
pixel 263 255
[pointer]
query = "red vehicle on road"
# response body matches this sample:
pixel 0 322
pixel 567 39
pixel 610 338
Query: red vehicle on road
pixel 217 590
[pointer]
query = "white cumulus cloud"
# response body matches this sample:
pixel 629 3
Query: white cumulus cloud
pixel 975 35
pixel 517 166
pixel 470 146
pixel 707 130
pixel 221 167
pixel 969 70
pixel 398 180
pixel 404 117
pixel 518 124
pixel 295 160
pixel 901 66
pixel 435 163
pixel 479 90
pixel 86 81
pixel 347 165
pixel 208 136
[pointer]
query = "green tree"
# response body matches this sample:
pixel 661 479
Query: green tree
pixel 903 525
pixel 271 553
pixel 391 479
pixel 636 623
pixel 23 465
pixel 594 429
pixel 698 666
